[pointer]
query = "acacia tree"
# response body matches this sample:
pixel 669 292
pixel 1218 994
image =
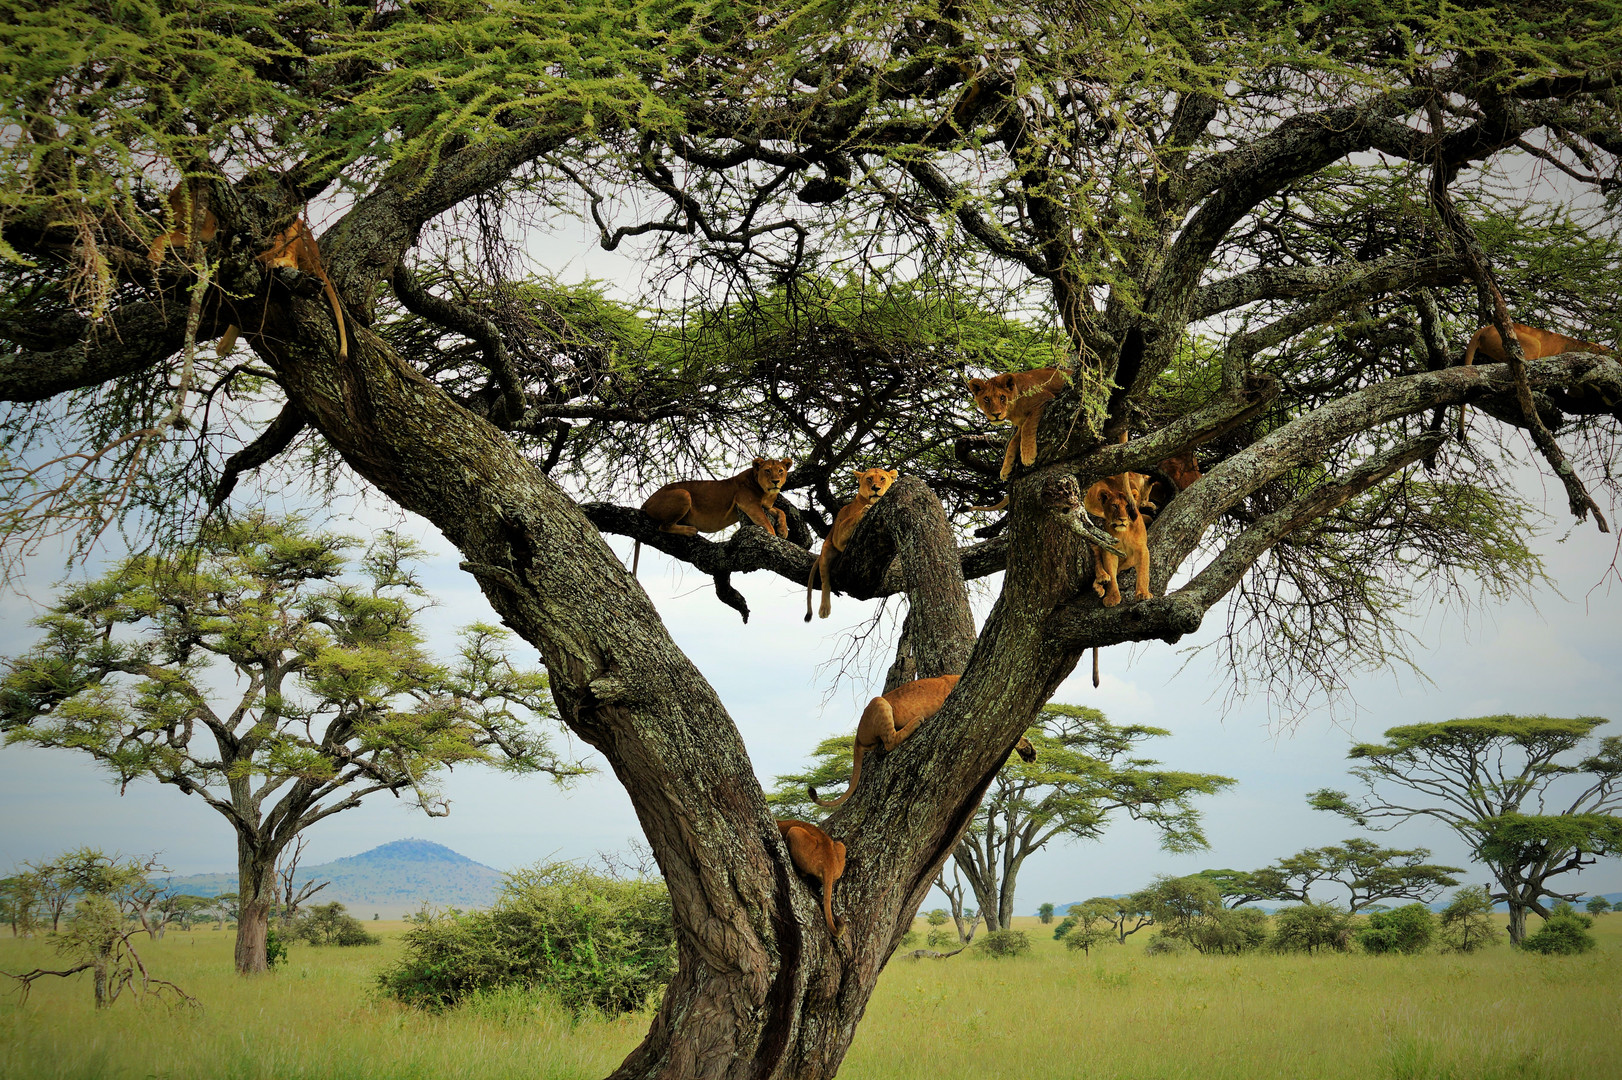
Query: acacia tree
pixel 1481 777
pixel 338 699
pixel 1317 188
pixel 1370 873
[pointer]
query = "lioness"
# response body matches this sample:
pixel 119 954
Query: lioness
pixel 1116 506
pixel 1534 344
pixel 295 247
pixel 1017 397
pixel 687 507
pixel 821 856
pixel 889 719
pixel 871 485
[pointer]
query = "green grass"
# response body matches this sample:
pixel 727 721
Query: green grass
pixel 1117 1015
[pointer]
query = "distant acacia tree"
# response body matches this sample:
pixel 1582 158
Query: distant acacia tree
pixel 1083 773
pixel 1467 922
pixel 1045 913
pixel 1370 874
pixel 1597 905
pixel 337 698
pixel 1502 785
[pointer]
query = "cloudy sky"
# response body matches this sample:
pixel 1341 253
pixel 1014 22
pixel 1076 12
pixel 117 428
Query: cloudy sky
pixel 1558 655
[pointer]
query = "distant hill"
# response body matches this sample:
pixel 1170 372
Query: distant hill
pixel 400 876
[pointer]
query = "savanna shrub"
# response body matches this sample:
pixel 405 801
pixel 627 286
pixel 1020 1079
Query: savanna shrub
pixel 1066 924
pixel 1598 905
pixel 909 940
pixel 275 950
pixel 1164 944
pixel 1407 930
pixel 1565 932
pixel 1229 932
pixel 1310 927
pixel 940 938
pixel 595 941
pixel 1004 943
pixel 1085 938
pixel 1467 922
pixel 330 924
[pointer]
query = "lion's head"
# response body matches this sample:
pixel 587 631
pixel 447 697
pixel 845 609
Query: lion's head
pixel 1119 509
pixel 873 483
pixel 772 473
pixel 994 396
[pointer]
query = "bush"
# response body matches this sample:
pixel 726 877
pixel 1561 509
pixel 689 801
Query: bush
pixel 1310 927
pixel 275 950
pixel 941 939
pixel 1086 937
pixel 1467 922
pixel 909 940
pixel 1001 943
pixel 1045 913
pixel 594 941
pixel 1406 930
pixel 1164 944
pixel 1229 932
pixel 330 924
pixel 1598 905
pixel 938 917
pixel 1564 933
pixel 1066 924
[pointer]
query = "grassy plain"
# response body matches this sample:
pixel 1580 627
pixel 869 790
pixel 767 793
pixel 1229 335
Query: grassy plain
pixel 1117 1014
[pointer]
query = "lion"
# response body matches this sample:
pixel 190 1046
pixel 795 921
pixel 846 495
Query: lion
pixel 1112 501
pixel 819 855
pixel 688 507
pixel 1017 397
pixel 870 488
pixel 1534 344
pixel 295 247
pixel 891 718
pixel 184 200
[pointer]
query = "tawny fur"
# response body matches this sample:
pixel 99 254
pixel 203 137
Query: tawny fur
pixel 295 247
pixel 1535 343
pixel 187 202
pixel 871 485
pixel 688 507
pixel 1109 500
pixel 818 855
pixel 890 719
pixel 1017 397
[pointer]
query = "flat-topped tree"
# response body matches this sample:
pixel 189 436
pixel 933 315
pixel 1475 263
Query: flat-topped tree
pixel 337 699
pixel 1313 184
pixel 1513 787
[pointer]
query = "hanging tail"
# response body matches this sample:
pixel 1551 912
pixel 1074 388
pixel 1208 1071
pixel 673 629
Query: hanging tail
pixel 855 775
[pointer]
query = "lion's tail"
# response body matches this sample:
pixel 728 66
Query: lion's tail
pixel 636 557
pixel 810 585
pixel 1095 667
pixel 855 775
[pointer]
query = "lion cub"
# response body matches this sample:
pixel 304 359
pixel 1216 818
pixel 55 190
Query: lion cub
pixel 1534 343
pixel 870 488
pixel 688 507
pixel 1114 501
pixel 819 855
pixel 889 719
pixel 1017 397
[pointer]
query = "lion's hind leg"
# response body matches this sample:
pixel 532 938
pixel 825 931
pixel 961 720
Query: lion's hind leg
pixel 668 508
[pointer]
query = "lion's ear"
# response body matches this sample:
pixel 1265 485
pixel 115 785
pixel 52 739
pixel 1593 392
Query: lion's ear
pixel 893 475
pixel 858 474
pixel 975 385
pixel 787 462
pixel 759 461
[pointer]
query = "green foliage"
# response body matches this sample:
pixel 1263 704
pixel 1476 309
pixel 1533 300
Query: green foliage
pixel 1229 932
pixel 1003 943
pixel 909 940
pixel 938 917
pixel 275 950
pixel 1312 928
pixel 1564 933
pixel 1164 944
pixel 1407 930
pixel 1085 938
pixel 1045 913
pixel 940 938
pixel 596 942
pixel 1068 923
pixel 1369 872
pixel 330 924
pixel 1597 905
pixel 1467 922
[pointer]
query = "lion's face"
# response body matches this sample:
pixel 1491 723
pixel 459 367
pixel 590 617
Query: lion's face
pixel 772 473
pixel 1119 511
pixel 993 396
pixel 873 483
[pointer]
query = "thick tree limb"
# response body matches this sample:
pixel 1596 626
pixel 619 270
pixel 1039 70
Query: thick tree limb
pixel 137 337
pixel 1352 280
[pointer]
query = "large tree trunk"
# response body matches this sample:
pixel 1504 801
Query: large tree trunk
pixel 256 891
